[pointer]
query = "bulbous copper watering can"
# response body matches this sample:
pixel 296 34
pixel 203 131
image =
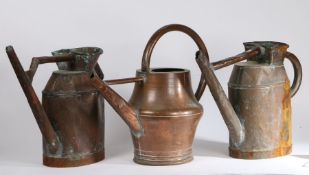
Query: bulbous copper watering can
pixel 165 104
pixel 258 115
pixel 71 116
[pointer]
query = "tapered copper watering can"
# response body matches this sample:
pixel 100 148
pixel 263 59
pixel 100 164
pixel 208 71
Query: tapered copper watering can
pixel 71 116
pixel 164 103
pixel 258 111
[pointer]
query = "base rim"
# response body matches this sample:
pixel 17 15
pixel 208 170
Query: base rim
pixel 67 162
pixel 278 152
pixel 160 160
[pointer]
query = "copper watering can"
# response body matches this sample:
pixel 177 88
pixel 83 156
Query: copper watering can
pixel 258 112
pixel 71 116
pixel 165 104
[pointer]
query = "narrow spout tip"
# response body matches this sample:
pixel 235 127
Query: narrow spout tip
pixel 9 48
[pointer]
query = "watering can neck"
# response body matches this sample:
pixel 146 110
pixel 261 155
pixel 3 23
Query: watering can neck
pixel 83 58
pixel 271 53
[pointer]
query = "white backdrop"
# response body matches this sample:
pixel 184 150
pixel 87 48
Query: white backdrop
pixel 122 29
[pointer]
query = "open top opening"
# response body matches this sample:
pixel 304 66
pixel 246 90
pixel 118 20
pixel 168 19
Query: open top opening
pixel 87 50
pixel 167 70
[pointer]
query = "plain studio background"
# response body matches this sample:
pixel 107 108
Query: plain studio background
pixel 122 29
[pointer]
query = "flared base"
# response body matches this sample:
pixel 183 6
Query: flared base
pixel 67 162
pixel 261 154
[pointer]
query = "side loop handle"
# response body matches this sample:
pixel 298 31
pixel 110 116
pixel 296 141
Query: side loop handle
pixel 181 28
pixel 297 72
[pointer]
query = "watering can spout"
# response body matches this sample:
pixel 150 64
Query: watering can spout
pixel 47 130
pixel 125 110
pixel 234 125
pixel 86 60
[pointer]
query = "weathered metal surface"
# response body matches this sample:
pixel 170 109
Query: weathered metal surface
pixel 259 97
pixel 259 92
pixel 76 111
pixel 71 117
pixel 78 59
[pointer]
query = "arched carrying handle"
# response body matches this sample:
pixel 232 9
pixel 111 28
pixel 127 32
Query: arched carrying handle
pixel 181 28
pixel 297 72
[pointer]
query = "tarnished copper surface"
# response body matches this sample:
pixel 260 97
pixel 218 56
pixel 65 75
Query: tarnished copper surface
pixel 168 108
pixel 169 113
pixel 71 117
pixel 76 110
pixel 260 94
pixel 67 162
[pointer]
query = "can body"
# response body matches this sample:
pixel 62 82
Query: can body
pixel 169 113
pixel 260 96
pixel 76 111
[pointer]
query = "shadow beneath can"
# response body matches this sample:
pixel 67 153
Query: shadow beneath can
pixel 306 157
pixel 210 148
pixel 301 156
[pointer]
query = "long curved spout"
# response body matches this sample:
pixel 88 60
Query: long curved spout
pixel 230 118
pixel 47 130
pixel 127 113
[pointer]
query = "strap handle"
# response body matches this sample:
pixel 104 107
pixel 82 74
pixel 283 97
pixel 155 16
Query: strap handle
pixel 297 72
pixel 181 28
